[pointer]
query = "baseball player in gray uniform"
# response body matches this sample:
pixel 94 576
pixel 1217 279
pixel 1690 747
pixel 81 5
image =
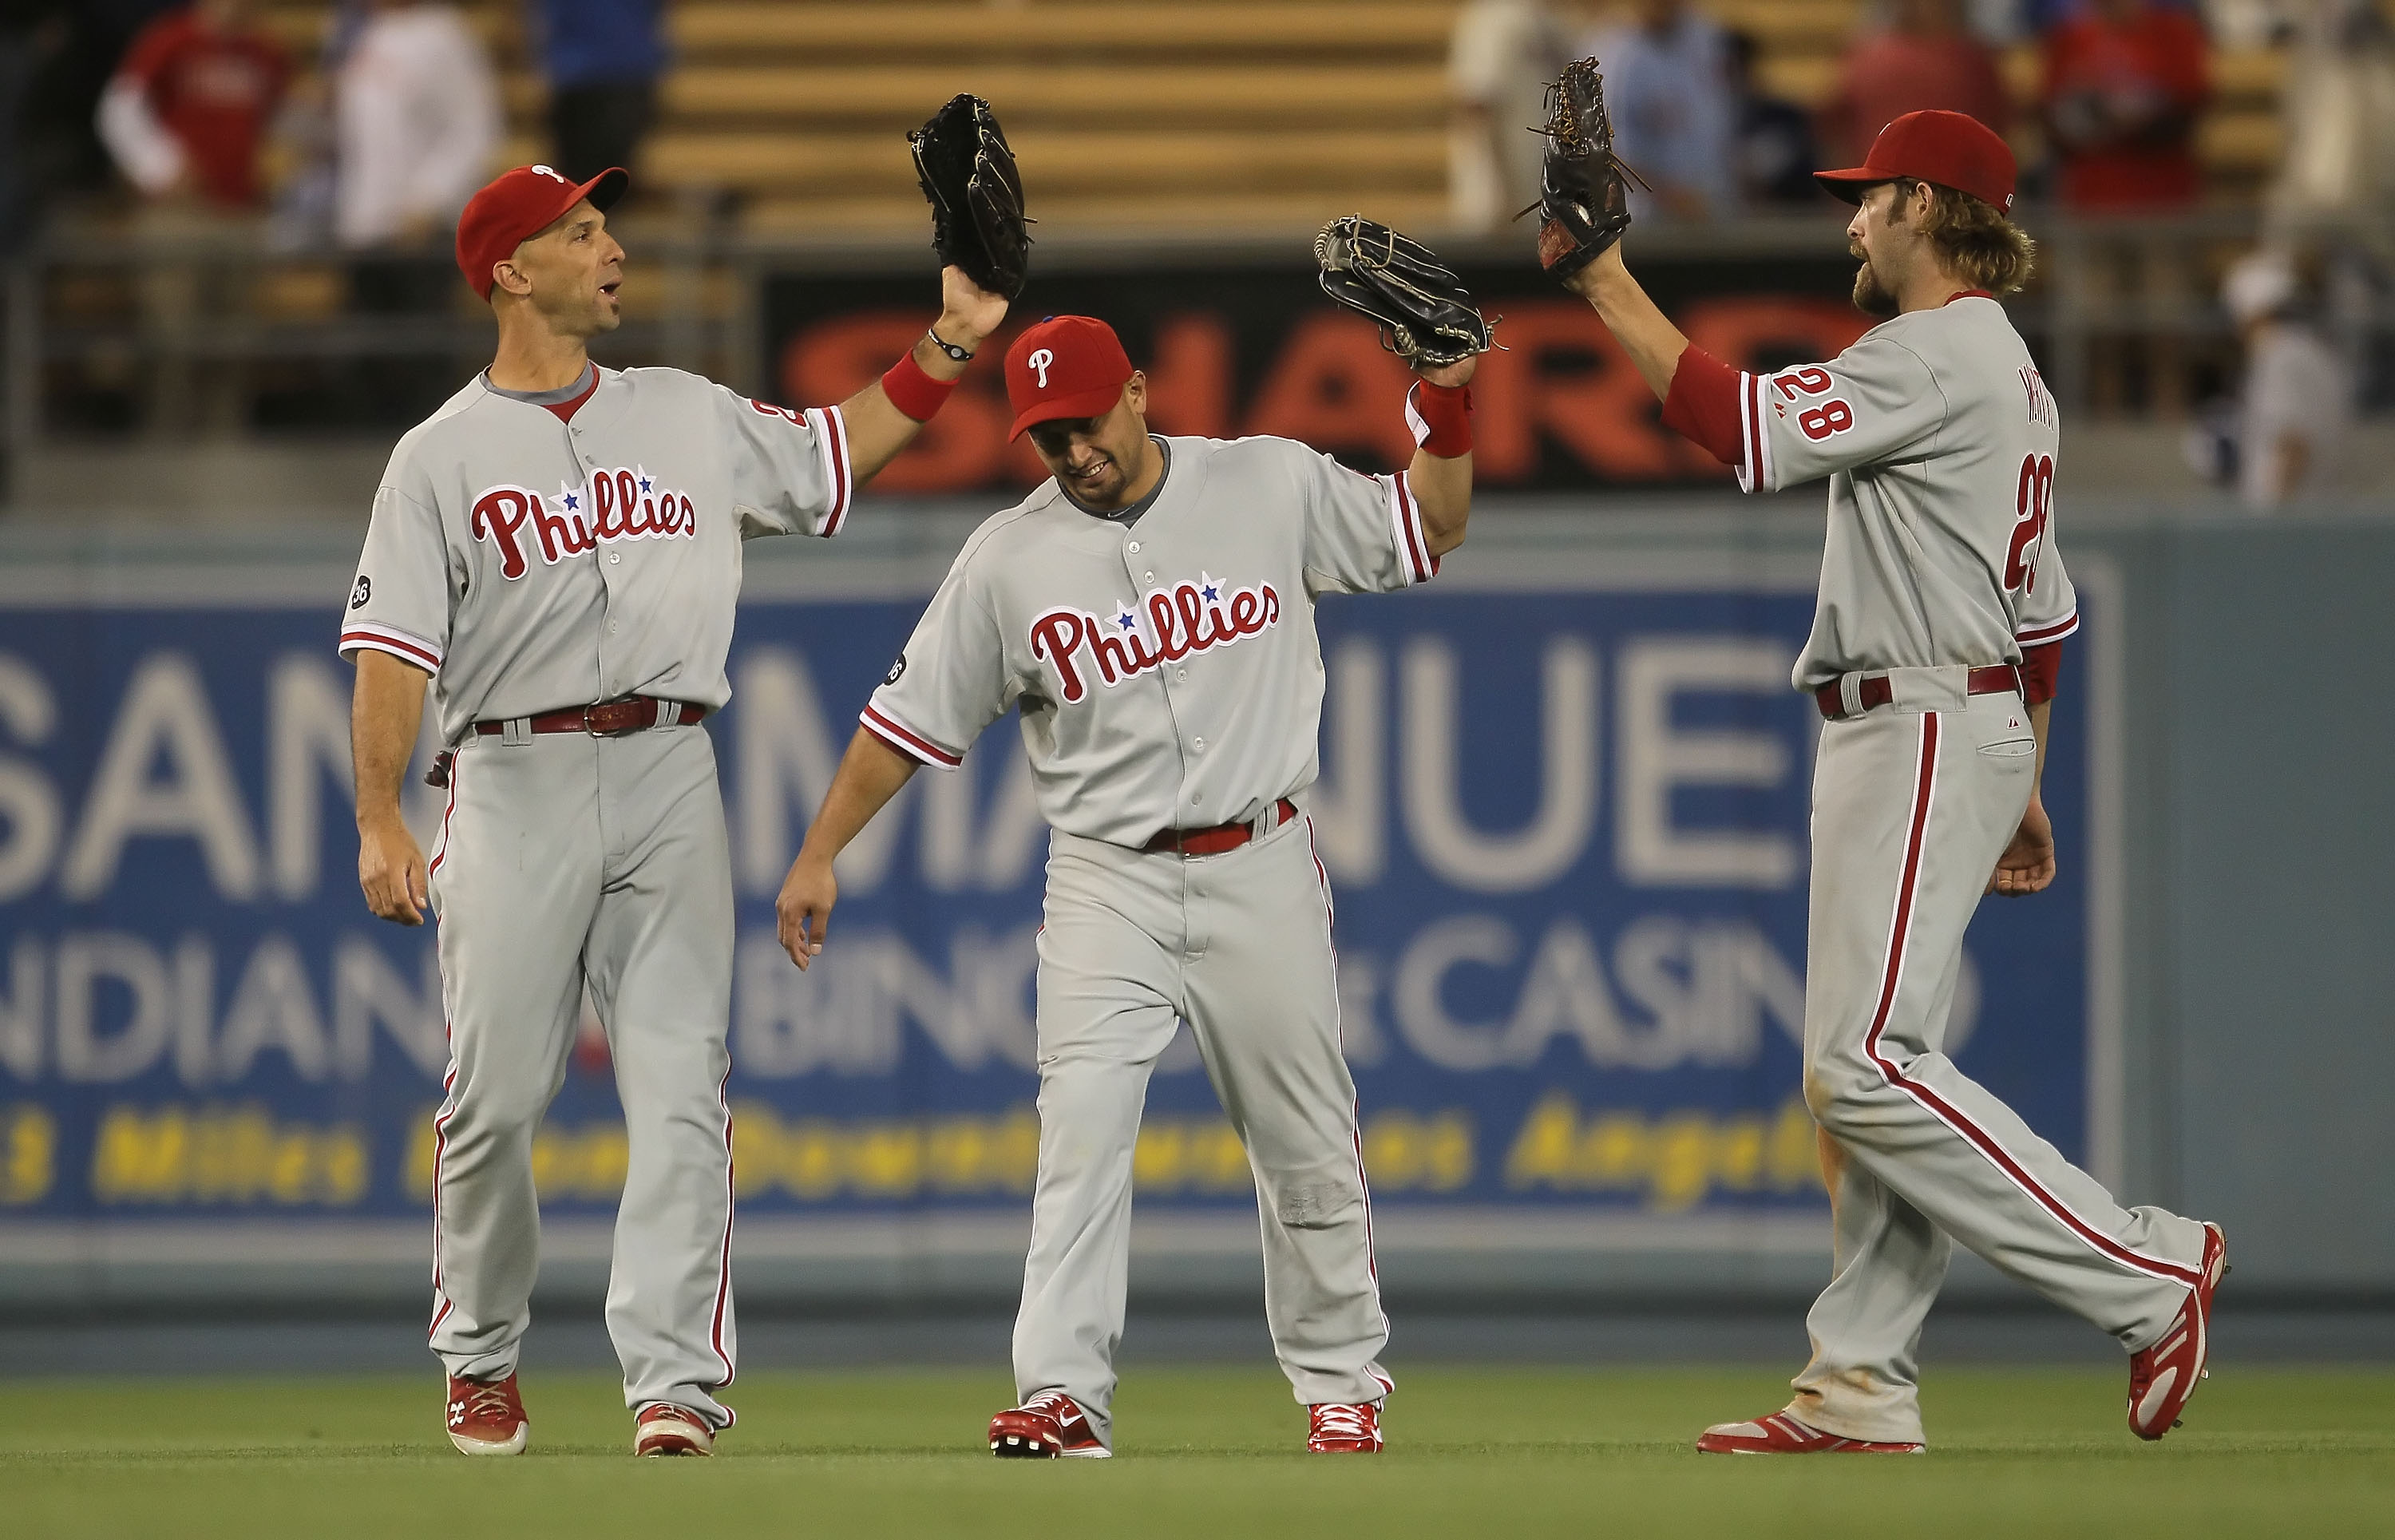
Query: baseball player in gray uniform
pixel 1933 657
pixel 557 551
pixel 1151 612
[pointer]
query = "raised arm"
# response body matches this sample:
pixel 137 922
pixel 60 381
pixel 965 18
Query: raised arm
pixel 1644 332
pixel 870 773
pixel 384 714
pixel 884 418
pixel 1441 474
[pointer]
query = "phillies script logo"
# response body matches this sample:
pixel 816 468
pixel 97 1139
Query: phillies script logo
pixel 1165 627
pixel 616 505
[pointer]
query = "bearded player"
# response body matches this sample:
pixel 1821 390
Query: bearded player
pixel 1934 660
pixel 1150 609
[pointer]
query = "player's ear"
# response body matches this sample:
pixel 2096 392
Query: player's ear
pixel 509 278
pixel 1135 392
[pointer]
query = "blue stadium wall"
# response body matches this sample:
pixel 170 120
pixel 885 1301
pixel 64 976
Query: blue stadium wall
pixel 1563 811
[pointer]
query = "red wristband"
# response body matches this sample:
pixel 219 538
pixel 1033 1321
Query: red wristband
pixel 915 394
pixel 1440 417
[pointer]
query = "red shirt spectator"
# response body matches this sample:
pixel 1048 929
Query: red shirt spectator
pixel 1927 59
pixel 210 83
pixel 2123 83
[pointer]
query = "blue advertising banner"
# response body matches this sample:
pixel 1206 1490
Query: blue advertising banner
pixel 1563 807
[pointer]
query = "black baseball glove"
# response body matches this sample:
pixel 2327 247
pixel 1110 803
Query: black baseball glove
pixel 1582 195
pixel 968 172
pixel 1425 315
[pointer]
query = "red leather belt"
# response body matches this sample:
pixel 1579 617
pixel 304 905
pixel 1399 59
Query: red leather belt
pixel 609 718
pixel 1214 840
pixel 1991 679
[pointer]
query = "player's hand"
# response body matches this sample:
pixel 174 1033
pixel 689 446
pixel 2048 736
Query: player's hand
pixel 1554 242
pixel 391 872
pixel 803 911
pixel 2027 865
pixel 968 312
pixel 1450 375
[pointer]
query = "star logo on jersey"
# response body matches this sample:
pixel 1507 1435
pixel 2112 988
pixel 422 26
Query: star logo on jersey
pixel 1167 625
pixel 360 594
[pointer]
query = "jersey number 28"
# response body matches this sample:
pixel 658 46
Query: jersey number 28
pixel 2033 503
pixel 1816 423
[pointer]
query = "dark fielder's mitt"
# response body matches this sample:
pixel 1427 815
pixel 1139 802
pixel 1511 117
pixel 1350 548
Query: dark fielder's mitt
pixel 968 172
pixel 1582 193
pixel 1425 315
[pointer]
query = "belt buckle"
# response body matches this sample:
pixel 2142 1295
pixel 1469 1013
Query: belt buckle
pixel 591 721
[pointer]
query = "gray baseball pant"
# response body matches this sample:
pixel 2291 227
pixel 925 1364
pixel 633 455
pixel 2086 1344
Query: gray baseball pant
pixel 1911 810
pixel 1239 946
pixel 564 859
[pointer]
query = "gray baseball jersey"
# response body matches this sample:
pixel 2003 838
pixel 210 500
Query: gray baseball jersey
pixel 538 554
pixel 1939 441
pixel 1169 676
pixel 1167 670
pixel 532 564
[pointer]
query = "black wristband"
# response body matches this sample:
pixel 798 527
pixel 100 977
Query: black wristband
pixel 962 355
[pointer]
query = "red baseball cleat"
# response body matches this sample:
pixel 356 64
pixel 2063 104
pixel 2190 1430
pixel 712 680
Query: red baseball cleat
pixel 662 1427
pixel 1781 1434
pixel 1049 1426
pixel 487 1417
pixel 2164 1377
pixel 1343 1427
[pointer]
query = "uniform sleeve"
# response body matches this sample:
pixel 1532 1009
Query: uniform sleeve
pixel 1363 534
pixel 1871 403
pixel 2049 606
pixel 790 470
pixel 950 683
pixel 400 602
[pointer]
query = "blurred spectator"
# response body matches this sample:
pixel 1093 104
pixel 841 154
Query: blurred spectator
pixel 1499 59
pixel 189 106
pixel 1926 57
pixel 1667 85
pixel 2340 112
pixel 417 110
pixel 603 58
pixel 1776 153
pixel 2124 80
pixel 2298 402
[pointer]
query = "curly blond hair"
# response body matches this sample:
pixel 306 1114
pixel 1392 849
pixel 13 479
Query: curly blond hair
pixel 1973 237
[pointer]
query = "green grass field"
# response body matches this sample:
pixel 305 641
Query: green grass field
pixel 1213 1452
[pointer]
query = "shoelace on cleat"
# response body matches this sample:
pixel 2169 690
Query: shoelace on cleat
pixel 1338 1420
pixel 483 1402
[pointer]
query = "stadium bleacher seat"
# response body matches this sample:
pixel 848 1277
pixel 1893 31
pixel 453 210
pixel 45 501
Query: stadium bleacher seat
pixel 1199 113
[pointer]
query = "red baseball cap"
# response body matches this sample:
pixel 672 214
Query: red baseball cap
pixel 1952 148
pixel 1065 366
pixel 521 203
